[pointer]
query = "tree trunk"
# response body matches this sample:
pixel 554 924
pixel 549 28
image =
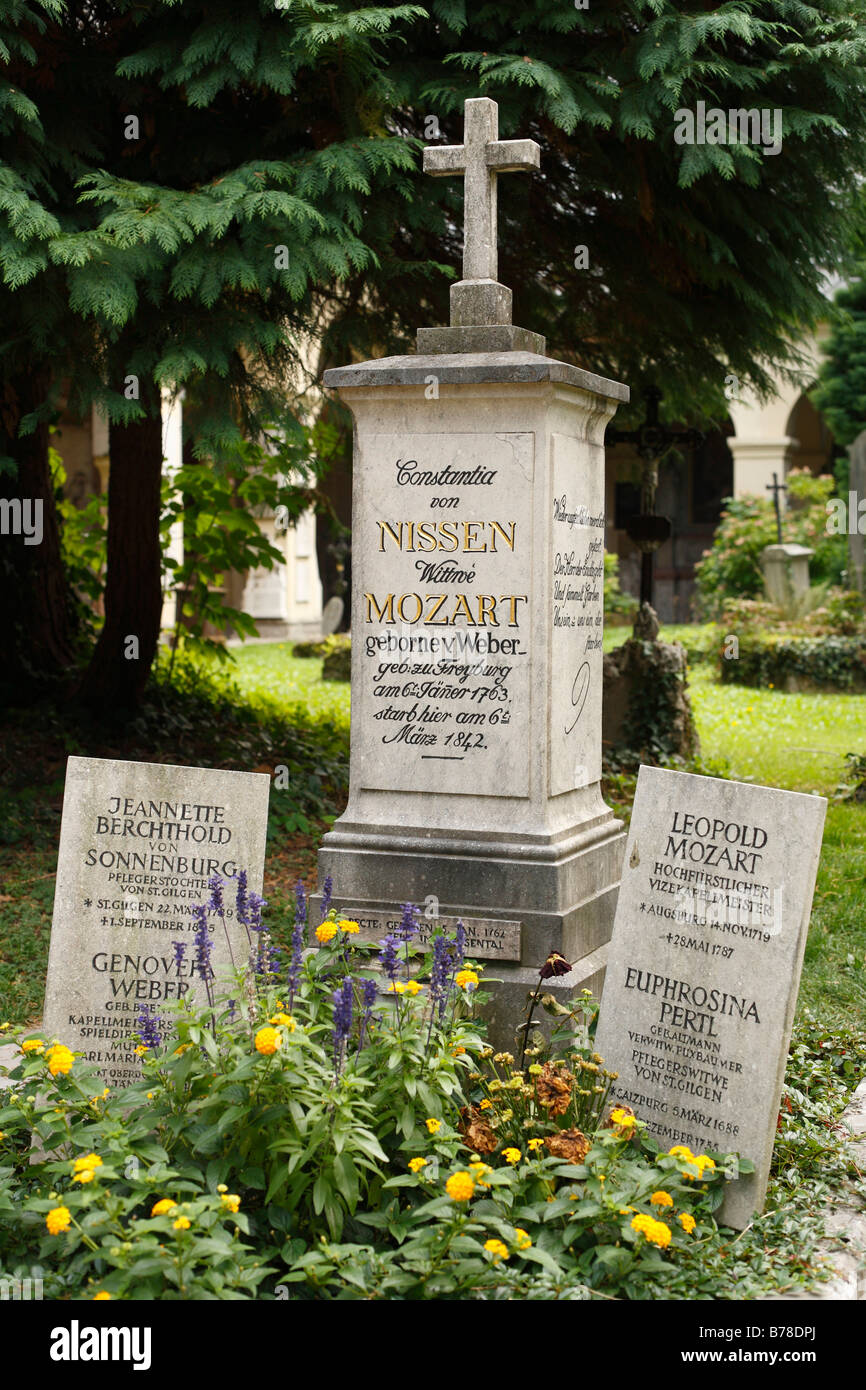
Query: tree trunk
pixel 37 613
pixel 121 663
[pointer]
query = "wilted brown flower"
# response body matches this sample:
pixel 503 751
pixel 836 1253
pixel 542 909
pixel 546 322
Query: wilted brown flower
pixel 476 1132
pixel 569 1144
pixel 554 965
pixel 553 1088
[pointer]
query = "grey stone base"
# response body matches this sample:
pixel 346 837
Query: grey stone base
pixel 516 983
pixel 563 891
pixel 499 337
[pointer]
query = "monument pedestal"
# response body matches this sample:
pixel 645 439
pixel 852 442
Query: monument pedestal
pixel 477 610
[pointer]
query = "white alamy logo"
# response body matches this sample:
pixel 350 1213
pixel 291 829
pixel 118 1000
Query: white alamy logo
pixel 734 127
pixel 76 1343
pixel 19 518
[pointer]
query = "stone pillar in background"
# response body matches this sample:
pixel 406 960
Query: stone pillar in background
pixel 856 494
pixel 478 531
pixel 755 462
pixel 786 573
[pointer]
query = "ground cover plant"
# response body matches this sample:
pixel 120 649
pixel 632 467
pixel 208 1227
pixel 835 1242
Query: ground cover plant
pixel 321 1130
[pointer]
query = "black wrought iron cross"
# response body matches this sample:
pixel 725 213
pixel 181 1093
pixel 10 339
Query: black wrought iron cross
pixel 776 487
pixel 652 441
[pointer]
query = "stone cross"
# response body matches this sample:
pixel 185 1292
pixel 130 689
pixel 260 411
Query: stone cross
pixel 479 298
pixel 776 488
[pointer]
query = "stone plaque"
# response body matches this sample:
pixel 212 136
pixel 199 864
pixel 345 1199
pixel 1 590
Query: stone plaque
pixel 577 573
pixel 487 938
pixel 440 679
pixel 705 962
pixel 138 843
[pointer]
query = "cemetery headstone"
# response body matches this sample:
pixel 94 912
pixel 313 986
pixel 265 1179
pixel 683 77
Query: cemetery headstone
pixel 138 844
pixel 705 961
pixel 332 615
pixel 856 497
pixel 478 534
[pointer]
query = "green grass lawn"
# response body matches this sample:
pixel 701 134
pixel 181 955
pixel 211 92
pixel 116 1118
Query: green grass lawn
pixel 797 742
pixel 275 679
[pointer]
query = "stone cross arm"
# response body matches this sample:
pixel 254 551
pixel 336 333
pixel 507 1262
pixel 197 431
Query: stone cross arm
pixel 500 156
pixel 479 159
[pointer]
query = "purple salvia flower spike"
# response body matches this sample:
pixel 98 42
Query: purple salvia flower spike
pixel 327 889
pixel 241 901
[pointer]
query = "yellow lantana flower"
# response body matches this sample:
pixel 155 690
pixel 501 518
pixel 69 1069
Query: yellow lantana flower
pixel 283 1021
pixel 86 1161
pixel 231 1200
pixel 466 979
pixel 497 1249
pixel 535 1144
pixel 268 1041
pixel 486 1104
pixel 660 1235
pixel 687 1221
pixel 523 1238
pixel 32 1045
pixel 326 932
pixel 620 1117
pixel 460 1187
pixel 101 1296
pixel 662 1199
pixel 182 1223
pixel 416 1164
pixel 164 1205
pixel 433 1125
pixel 348 926
pixel 58 1219
pixel 396 987
pixel 60 1059
pixel 512 1155
pixel 656 1232
pixel 413 987
pixel 680 1151
pixel 140 1050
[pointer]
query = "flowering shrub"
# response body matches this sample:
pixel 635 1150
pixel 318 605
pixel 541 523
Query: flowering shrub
pixel 526 1224
pixel 344 1095
pixel 292 1087
pixel 731 567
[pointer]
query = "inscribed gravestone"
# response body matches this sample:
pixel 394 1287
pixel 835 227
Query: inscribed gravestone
pixel 477 527
pixel 856 499
pixel 138 843
pixel 332 615
pixel 705 963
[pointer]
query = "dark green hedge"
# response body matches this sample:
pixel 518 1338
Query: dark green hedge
pixel 825 663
